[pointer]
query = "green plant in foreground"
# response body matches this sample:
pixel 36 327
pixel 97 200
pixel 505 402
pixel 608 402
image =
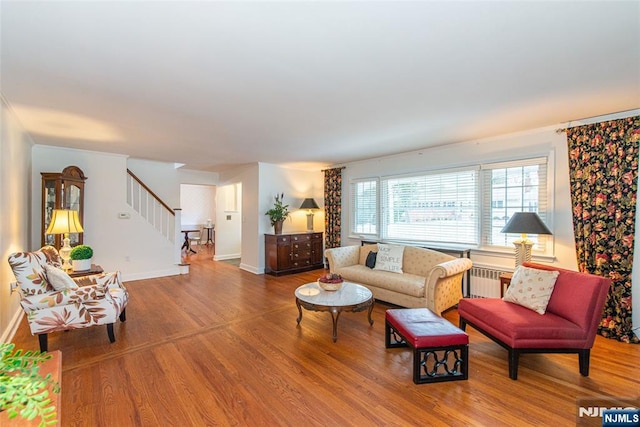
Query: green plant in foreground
pixel 23 391
pixel 81 252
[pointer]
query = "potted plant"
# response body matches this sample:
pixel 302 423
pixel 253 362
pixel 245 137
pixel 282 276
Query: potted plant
pixel 23 391
pixel 81 257
pixel 278 213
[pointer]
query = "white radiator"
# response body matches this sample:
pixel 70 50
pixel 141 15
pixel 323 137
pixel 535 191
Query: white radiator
pixel 485 282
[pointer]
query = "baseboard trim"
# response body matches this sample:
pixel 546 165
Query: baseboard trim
pixel 225 257
pixel 173 271
pixel 9 333
pixel 250 269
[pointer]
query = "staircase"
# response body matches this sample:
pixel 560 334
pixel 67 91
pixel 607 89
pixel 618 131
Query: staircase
pixel 146 203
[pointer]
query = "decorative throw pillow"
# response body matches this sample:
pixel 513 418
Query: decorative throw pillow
pixel 389 258
pixel 371 259
pixel 531 288
pixel 364 252
pixel 59 279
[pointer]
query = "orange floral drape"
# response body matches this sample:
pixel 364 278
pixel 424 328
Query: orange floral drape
pixel 603 169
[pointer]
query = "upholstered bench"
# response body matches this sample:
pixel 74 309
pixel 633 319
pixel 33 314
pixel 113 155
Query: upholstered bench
pixel 440 349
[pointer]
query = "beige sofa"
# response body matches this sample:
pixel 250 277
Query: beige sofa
pixel 429 279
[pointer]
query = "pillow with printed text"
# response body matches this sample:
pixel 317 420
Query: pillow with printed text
pixel 389 258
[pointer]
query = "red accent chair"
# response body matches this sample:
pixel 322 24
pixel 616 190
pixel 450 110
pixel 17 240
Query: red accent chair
pixel 569 324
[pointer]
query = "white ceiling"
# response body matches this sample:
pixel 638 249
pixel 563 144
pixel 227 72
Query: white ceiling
pixel 213 84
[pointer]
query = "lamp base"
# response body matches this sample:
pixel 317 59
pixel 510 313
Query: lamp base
pixel 523 251
pixel 309 222
pixel 65 253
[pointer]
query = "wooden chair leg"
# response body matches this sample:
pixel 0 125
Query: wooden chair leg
pixel 123 315
pixel 583 359
pixel 112 337
pixel 514 356
pixel 44 346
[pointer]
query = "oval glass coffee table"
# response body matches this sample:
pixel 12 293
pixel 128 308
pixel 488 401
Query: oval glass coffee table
pixel 350 297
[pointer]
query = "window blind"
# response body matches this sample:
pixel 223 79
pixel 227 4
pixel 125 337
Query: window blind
pixel 364 206
pixel 510 187
pixel 439 207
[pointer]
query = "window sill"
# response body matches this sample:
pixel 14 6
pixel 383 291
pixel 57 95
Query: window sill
pixel 486 251
pixel 503 253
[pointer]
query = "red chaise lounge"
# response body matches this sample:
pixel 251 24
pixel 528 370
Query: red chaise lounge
pixel 569 324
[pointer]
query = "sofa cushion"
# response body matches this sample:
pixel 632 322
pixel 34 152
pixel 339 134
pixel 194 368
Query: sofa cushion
pixel 389 258
pixel 422 328
pixel 520 327
pixel 576 295
pixel 531 288
pixel 409 284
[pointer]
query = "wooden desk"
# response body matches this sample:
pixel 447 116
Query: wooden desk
pixel 54 367
pixel 187 244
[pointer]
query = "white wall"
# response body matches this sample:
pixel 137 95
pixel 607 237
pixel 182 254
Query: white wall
pixel 130 245
pixel 247 177
pixel 296 185
pixel 540 143
pixel 229 222
pixel 198 203
pixel 165 178
pixel 15 226
pixel 260 183
pixel 502 148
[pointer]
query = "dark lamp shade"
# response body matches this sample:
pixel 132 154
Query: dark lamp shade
pixel 309 204
pixel 525 222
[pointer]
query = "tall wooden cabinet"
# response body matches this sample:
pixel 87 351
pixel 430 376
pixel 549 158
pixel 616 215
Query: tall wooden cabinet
pixel 63 190
pixel 292 253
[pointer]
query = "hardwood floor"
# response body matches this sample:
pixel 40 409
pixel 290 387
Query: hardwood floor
pixel 220 346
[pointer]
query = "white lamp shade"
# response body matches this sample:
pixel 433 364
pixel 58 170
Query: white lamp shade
pixel 64 221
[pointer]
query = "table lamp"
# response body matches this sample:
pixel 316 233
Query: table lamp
pixel 524 223
pixel 309 204
pixel 63 222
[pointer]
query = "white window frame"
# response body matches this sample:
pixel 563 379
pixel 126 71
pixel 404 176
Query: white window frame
pixel 545 248
pixel 544 243
pixel 371 233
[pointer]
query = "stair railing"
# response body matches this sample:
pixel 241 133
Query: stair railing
pixel 146 203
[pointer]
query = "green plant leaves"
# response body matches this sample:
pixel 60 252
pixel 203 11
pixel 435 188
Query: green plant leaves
pixel 23 391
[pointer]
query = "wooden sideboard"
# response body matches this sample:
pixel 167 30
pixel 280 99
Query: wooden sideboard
pixel 292 253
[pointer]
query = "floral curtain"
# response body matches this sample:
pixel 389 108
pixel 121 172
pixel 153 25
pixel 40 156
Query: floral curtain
pixel 603 169
pixel 332 207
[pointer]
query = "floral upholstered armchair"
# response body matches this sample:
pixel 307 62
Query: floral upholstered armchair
pixel 53 301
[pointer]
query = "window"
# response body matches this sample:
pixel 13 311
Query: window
pixel 436 207
pixel 465 206
pixel 364 202
pixel 509 188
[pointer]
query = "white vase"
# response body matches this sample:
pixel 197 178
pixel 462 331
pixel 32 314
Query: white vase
pixel 81 264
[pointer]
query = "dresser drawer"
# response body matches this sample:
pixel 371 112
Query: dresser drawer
pixel 301 254
pixel 283 240
pixel 300 263
pixel 301 238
